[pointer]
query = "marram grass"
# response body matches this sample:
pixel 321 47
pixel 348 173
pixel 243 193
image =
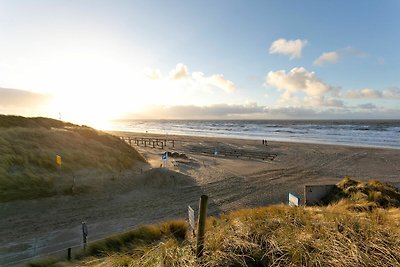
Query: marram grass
pixel 277 235
pixel 28 149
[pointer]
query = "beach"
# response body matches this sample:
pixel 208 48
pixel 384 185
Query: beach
pixel 236 176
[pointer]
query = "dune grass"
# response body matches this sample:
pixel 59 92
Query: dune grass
pixel 277 235
pixel 363 195
pixel 28 147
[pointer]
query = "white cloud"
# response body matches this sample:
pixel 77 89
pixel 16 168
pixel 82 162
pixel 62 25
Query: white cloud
pixel 197 79
pixel 335 56
pixel 392 92
pixel 292 48
pixel 205 112
pixel 252 110
pixel 389 93
pixel 301 88
pixel 297 80
pixel 152 74
pixel 328 57
pixel 217 80
pixel 180 72
pixel 363 93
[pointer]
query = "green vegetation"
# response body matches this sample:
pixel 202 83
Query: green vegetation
pixel 28 149
pixel 277 235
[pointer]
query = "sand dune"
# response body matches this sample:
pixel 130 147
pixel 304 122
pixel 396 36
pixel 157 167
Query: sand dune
pixel 151 194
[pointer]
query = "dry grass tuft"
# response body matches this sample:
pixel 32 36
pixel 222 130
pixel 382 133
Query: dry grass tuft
pixel 364 196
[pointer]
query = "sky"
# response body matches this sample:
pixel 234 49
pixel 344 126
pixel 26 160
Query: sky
pixel 92 61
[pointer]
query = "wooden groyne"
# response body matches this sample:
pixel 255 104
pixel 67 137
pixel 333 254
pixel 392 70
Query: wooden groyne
pixel 224 151
pixel 232 153
pixel 148 142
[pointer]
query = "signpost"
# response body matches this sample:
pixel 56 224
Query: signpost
pixel 58 160
pixel 164 158
pixel 294 200
pixel 215 152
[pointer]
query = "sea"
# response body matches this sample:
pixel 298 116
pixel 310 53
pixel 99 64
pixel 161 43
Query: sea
pixel 366 133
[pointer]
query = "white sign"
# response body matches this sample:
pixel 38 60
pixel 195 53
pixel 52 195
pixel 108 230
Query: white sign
pixel 191 217
pixel 294 200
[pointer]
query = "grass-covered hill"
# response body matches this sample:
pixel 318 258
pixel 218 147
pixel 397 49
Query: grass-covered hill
pixel 336 235
pixel 28 149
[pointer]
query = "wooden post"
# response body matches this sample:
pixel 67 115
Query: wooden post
pixel 145 143
pixel 69 254
pixel 173 143
pixel 201 225
pixel 153 143
pixel 84 234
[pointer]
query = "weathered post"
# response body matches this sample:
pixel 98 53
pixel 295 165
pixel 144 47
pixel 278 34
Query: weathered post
pixel 191 220
pixel 173 143
pixel 153 144
pixel 201 225
pixel 69 254
pixel 84 234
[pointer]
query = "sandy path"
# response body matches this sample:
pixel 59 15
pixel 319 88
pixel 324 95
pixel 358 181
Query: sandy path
pixel 28 228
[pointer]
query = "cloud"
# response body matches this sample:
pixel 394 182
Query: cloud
pixel 180 72
pixel 363 93
pixel 152 74
pixel 335 56
pixel 197 78
pixel 217 80
pixel 392 92
pixel 322 101
pixel 331 57
pixel 389 93
pixel 216 111
pixel 292 48
pixel 253 111
pixel 302 88
pixel 21 98
pixel 297 80
pixel 367 106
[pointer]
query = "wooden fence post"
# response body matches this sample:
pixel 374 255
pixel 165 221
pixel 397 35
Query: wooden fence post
pixel 69 254
pixel 201 225
pixel 84 234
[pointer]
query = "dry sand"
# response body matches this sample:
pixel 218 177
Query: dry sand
pixel 150 194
